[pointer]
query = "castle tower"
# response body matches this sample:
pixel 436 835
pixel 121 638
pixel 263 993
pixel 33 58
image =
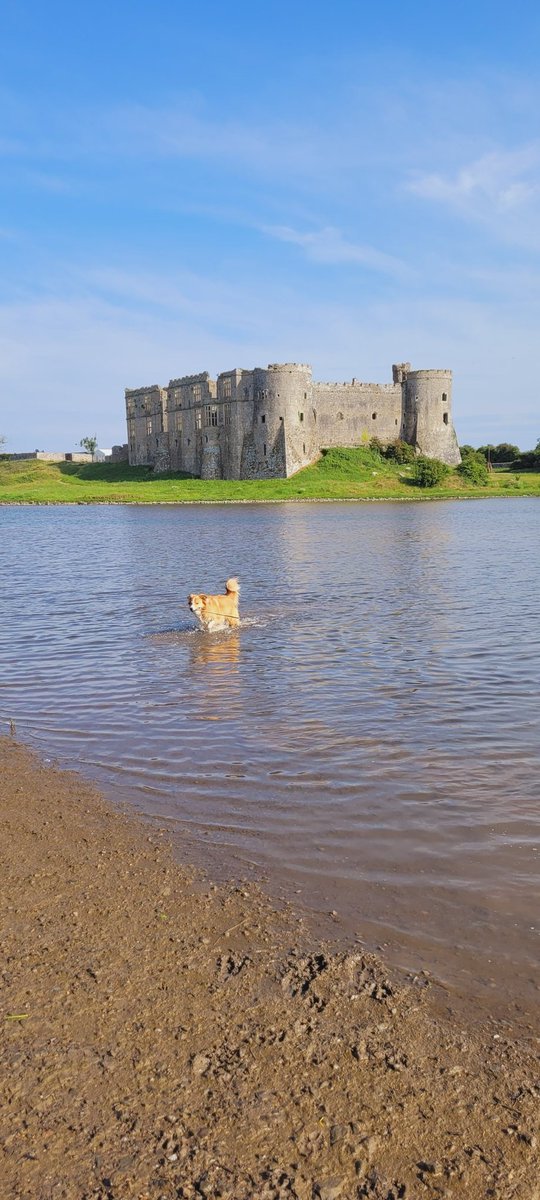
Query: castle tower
pixel 293 419
pixel 427 414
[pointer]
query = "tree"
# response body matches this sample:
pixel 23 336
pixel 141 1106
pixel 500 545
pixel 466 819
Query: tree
pixel 89 444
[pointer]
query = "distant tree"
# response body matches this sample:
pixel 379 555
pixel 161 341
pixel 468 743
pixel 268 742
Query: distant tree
pixel 505 452
pixel 428 472
pixel 89 444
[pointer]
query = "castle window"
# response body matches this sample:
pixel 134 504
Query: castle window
pixel 445 418
pixel 197 393
pixel 148 426
pixel 263 419
pixel 157 441
pixel 304 447
pixel 300 416
pixel 264 449
pixel 374 416
pixel 198 419
pixel 189 441
pixel 227 414
pixel 246 393
pixel 340 416
pixel 395 422
pixel 444 397
pixel 206 437
pixel 226 389
pixel 305 395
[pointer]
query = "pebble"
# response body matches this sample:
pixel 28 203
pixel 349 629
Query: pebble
pixel 332 1189
pixel 200 1064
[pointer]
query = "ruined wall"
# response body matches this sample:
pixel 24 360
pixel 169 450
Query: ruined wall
pixel 350 413
pixel 146 422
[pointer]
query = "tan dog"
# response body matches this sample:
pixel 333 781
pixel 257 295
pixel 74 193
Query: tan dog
pixel 216 611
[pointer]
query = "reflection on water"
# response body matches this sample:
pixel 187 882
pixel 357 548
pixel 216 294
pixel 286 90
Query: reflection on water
pixel 368 735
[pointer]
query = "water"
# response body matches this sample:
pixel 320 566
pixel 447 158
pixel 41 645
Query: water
pixel 368 740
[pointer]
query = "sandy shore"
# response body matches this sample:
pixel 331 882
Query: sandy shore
pixel 164 1038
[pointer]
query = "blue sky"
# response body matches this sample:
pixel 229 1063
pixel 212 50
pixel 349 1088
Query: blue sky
pixel 196 187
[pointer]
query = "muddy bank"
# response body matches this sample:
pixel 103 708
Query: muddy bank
pixel 164 1038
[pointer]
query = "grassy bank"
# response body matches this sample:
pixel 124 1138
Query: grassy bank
pixel 338 475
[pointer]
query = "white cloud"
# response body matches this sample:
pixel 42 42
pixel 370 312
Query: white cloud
pixel 500 188
pixel 329 246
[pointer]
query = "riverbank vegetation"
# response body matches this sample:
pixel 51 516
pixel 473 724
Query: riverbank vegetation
pixel 363 473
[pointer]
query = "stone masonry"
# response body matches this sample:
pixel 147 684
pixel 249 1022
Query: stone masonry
pixel 269 423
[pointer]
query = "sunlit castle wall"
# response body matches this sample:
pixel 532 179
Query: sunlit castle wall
pixel 148 443
pixel 347 414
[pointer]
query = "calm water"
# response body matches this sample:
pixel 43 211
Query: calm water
pixel 369 737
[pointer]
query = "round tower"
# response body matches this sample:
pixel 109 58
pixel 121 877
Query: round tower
pixel 428 423
pixel 289 392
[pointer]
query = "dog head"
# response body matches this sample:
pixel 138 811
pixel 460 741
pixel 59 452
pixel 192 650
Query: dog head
pixel 196 602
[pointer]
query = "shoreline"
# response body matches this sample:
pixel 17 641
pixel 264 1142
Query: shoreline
pixel 164 1036
pixel 279 500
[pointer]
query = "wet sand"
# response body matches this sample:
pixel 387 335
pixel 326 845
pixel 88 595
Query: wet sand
pixel 167 1038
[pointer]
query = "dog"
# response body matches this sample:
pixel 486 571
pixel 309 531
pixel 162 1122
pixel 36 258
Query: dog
pixel 214 612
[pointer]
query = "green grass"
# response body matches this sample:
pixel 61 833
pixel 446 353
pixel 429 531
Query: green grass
pixel 339 474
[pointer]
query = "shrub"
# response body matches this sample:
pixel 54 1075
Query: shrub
pixel 401 452
pixel 474 469
pixel 429 472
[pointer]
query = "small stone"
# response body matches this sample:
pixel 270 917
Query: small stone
pixel 332 1189
pixel 430 1168
pixel 200 1064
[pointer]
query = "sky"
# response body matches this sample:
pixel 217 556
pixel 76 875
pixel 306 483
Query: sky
pixel 189 187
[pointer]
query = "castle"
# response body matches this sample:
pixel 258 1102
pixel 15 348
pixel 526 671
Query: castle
pixel 268 423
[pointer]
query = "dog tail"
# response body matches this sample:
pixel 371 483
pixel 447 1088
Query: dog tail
pixel 232 586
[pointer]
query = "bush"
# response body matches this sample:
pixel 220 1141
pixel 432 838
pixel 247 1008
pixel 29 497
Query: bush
pixel 401 452
pixel 474 469
pixel 429 472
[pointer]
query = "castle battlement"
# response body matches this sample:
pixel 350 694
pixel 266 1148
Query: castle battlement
pixel 268 422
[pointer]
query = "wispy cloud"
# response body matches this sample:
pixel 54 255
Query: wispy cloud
pixel 500 188
pixel 329 246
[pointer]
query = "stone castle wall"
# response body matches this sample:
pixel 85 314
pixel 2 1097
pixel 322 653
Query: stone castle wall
pixel 270 422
